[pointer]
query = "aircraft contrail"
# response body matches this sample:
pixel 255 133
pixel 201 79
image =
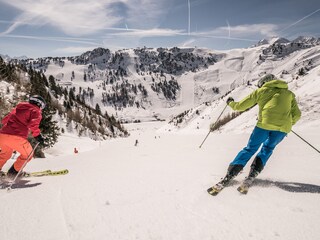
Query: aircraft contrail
pixel 229 33
pixel 24 18
pixel 229 29
pixel 55 39
pixel 299 20
pixel 189 19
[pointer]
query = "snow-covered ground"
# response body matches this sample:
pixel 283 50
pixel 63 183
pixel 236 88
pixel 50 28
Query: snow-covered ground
pixel 157 190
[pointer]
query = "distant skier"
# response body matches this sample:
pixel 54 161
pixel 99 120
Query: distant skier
pixel 136 143
pixel 278 112
pixel 25 117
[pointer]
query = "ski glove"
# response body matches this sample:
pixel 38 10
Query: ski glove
pixel 40 139
pixel 229 100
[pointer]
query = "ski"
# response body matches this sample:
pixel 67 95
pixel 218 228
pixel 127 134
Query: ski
pixel 214 190
pixel 29 174
pixel 46 173
pixel 6 182
pixel 41 173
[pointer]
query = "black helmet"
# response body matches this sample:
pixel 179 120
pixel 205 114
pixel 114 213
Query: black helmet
pixel 37 100
pixel 265 79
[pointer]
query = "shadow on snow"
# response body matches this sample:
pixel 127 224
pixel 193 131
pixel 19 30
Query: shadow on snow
pixel 19 184
pixel 288 186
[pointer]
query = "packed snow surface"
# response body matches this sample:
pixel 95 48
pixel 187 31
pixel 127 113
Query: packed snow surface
pixel 157 190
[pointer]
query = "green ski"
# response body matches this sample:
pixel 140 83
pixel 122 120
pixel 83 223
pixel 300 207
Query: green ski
pixel 46 173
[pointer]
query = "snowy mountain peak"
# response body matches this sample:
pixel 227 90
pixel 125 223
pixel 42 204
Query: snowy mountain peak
pixel 272 40
pixel 6 58
pixel 307 40
pixel 278 40
pixel 94 56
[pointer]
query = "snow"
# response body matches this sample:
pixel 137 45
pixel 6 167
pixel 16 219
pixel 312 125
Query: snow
pixel 157 190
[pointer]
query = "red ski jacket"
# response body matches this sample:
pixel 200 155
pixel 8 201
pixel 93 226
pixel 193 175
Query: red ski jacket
pixel 23 118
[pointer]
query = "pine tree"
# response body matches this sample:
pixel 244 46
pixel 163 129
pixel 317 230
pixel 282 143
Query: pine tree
pixel 48 126
pixel 98 109
pixel 7 72
pixel 53 86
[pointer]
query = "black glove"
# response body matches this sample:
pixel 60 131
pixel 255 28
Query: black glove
pixel 229 100
pixel 40 139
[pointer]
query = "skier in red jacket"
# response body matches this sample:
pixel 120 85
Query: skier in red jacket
pixel 25 117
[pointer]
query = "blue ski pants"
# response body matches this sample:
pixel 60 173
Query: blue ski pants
pixel 269 140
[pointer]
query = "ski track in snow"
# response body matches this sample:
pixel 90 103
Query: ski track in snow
pixel 63 215
pixel 187 91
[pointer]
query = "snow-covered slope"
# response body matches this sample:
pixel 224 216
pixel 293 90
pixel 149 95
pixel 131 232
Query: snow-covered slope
pixel 239 80
pixel 157 190
pixel 134 84
pixel 107 74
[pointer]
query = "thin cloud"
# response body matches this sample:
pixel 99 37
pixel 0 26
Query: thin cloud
pixel 72 17
pixel 55 39
pixel 265 29
pixel 209 35
pixel 78 18
pixel 146 13
pixel 219 33
pixel 72 50
pixel 156 32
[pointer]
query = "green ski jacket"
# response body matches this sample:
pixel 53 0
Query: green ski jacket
pixel 278 108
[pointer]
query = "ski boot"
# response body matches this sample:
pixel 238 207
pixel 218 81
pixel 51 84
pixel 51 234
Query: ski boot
pixel 12 173
pixel 256 168
pixel 2 174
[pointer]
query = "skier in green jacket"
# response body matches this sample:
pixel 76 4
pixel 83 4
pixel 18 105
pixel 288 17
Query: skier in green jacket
pixel 278 112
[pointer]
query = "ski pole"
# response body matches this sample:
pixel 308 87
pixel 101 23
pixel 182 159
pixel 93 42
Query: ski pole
pixel 24 164
pixel 305 141
pixel 213 125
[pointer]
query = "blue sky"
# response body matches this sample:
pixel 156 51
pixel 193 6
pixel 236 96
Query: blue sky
pixel 71 27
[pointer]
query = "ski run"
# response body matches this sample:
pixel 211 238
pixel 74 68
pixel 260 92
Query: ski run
pixel 157 190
